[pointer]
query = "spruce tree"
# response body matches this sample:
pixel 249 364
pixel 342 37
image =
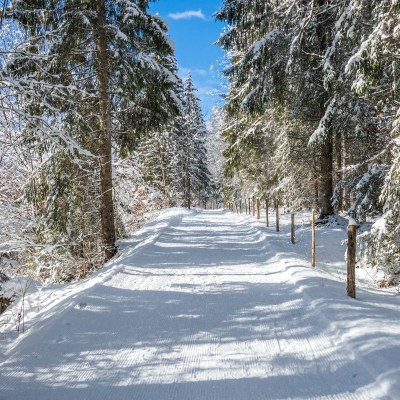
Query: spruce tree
pixel 196 177
pixel 96 74
pixel 319 80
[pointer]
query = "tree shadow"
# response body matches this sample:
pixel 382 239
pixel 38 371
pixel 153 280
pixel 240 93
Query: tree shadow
pixel 246 341
pixel 185 318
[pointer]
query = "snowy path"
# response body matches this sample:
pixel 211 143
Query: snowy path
pixel 208 305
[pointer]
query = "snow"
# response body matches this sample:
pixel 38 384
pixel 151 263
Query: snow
pixel 320 133
pixel 353 222
pixel 256 48
pixel 210 305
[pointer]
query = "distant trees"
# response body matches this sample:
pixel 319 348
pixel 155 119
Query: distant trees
pixel 196 182
pixel 175 158
pixel 160 158
pixel 215 147
pixel 313 108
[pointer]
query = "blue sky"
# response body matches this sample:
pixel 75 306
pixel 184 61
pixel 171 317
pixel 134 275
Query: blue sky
pixel 193 30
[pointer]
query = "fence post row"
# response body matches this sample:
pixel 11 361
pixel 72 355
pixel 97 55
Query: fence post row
pixel 253 206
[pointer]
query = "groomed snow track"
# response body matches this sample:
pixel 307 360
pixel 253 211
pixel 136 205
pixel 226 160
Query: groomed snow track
pixel 206 305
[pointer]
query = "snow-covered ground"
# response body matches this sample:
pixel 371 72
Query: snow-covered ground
pixel 210 305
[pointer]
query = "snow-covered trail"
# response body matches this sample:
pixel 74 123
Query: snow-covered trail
pixel 208 305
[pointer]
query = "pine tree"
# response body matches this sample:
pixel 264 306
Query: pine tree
pixel 196 177
pixel 373 70
pixel 215 154
pixel 315 83
pixel 91 74
pixel 277 69
pixel 158 153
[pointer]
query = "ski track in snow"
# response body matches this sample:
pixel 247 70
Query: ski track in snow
pixel 214 306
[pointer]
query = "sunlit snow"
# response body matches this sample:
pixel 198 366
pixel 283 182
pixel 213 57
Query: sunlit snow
pixel 210 305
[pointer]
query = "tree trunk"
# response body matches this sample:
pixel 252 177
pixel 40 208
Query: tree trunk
pixel 345 163
pixel 326 164
pixel 163 166
pixel 338 170
pixel 315 180
pixel 106 184
pixel 326 191
pixel 187 182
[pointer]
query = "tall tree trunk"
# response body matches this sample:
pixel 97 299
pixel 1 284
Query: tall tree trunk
pixel 106 184
pixel 326 180
pixel 326 183
pixel 163 166
pixel 338 170
pixel 345 163
pixel 188 185
pixel 315 179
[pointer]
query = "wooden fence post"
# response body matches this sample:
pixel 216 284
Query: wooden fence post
pixel 240 205
pixel 292 233
pixel 277 214
pixel 266 212
pixel 245 205
pixel 254 206
pixel 258 208
pixel 249 202
pixel 351 259
pixel 313 239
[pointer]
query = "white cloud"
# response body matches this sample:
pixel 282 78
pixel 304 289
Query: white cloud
pixel 187 15
pixel 193 71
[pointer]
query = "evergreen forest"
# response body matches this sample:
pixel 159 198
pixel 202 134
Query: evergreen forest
pixel 98 130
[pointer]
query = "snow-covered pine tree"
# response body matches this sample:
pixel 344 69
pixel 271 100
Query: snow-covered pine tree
pixel 92 73
pixel 260 102
pixel 193 132
pixel 215 155
pixel 324 73
pixel 158 155
pixel 16 166
pixel 373 70
pixel 355 121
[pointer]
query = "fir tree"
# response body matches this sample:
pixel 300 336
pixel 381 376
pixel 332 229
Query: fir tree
pixel 196 178
pixel 91 74
pixel 315 83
